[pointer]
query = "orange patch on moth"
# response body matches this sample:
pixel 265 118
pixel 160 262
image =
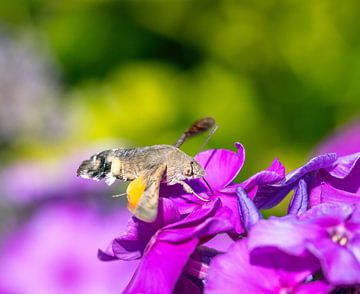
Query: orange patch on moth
pixel 134 192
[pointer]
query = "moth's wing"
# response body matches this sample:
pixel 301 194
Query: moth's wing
pixel 143 194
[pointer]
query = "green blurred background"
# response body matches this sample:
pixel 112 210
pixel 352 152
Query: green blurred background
pixel 278 76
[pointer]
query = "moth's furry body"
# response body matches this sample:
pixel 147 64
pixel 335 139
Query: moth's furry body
pixel 128 164
pixel 146 167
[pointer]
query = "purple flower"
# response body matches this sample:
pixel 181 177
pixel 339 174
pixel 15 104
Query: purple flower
pixel 343 177
pixel 221 167
pixel 55 252
pixel 345 141
pixel 236 271
pixel 168 245
pixel 268 196
pixel 329 232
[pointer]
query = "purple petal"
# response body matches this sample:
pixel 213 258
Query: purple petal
pixel 344 174
pixel 161 267
pixel 316 287
pixel 354 247
pixel 328 214
pixel 274 258
pixel 339 265
pixel 299 202
pixel 287 234
pixel 271 195
pixel 221 165
pixel 132 243
pixel 231 201
pixel 249 214
pixel 326 193
pixel 211 219
pixel 345 141
pixel 234 270
pixel 272 174
pixel 314 164
pixel 342 167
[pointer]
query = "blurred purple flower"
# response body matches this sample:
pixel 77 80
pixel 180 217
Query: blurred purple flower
pixel 345 141
pixel 55 252
pixel 329 232
pixel 221 167
pixel 167 246
pixel 235 271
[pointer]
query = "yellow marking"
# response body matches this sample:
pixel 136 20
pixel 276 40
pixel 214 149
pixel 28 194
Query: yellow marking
pixel 116 167
pixel 134 191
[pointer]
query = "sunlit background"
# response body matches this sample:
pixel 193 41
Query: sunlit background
pixel 77 77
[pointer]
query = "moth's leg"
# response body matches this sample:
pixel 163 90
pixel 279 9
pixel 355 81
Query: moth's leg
pixel 119 195
pixel 188 189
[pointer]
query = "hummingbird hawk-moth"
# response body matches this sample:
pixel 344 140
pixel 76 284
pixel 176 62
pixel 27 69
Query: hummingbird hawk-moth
pixel 146 168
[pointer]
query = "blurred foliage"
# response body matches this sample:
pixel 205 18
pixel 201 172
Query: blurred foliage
pixel 277 76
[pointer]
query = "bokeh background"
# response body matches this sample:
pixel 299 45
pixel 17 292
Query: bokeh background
pixel 80 76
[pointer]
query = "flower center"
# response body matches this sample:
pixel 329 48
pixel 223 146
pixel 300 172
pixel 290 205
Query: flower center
pixel 339 235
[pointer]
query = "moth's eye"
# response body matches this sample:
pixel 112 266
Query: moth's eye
pixel 188 171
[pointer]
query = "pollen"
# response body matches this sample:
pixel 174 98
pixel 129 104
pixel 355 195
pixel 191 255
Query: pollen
pixel 339 235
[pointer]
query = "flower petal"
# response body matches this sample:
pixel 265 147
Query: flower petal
pixel 161 267
pixel 271 195
pixel 299 202
pixel 344 141
pixel 221 165
pixel 316 287
pixel 326 193
pixel 272 174
pixel 249 214
pixel 343 166
pixel 211 219
pixel 339 265
pixel 234 270
pixel 344 174
pixel 132 243
pixel 287 234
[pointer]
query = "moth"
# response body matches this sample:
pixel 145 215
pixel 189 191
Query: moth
pixel 146 168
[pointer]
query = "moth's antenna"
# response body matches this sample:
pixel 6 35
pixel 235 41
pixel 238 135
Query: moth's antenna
pixel 197 127
pixel 213 130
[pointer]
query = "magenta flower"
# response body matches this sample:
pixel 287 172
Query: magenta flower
pixel 236 271
pixel 329 232
pixel 221 167
pixel 168 245
pixel 55 252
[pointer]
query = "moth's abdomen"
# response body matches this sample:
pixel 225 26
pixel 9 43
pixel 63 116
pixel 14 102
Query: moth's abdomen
pixel 109 164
